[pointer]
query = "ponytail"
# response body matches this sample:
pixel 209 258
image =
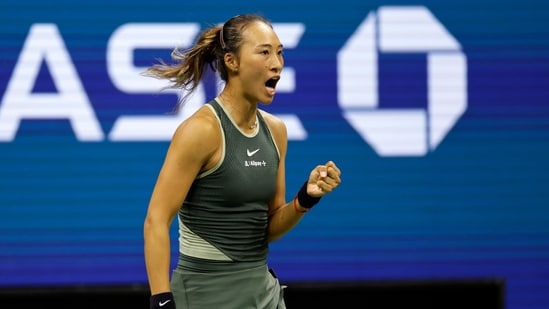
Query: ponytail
pixel 190 64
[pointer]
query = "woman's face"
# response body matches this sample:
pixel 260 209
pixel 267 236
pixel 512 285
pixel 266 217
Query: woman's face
pixel 260 62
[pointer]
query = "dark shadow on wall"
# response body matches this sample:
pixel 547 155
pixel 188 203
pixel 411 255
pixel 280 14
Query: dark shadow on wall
pixel 470 294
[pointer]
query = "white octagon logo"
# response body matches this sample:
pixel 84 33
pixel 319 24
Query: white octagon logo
pixel 402 132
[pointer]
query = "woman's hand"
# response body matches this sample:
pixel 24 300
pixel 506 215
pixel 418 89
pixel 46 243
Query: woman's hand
pixel 323 179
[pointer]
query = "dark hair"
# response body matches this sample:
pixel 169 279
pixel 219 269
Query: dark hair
pixel 209 49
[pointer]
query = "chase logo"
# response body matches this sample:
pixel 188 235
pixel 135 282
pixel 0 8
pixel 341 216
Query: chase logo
pixel 402 132
pixel 390 132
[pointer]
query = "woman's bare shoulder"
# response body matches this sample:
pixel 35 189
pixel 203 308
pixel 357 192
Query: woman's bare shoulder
pixel 200 131
pixel 273 121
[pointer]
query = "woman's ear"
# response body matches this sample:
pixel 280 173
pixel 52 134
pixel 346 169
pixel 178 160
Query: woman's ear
pixel 231 62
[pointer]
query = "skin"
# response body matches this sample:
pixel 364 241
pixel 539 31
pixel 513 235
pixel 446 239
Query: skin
pixel 196 147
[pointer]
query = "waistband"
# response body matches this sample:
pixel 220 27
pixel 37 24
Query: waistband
pixel 190 263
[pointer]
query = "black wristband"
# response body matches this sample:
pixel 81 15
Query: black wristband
pixel 162 301
pixel 304 199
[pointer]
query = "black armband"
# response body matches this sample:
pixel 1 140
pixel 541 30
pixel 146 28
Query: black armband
pixel 304 199
pixel 162 301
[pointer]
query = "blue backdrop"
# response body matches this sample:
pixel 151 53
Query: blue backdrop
pixel 437 113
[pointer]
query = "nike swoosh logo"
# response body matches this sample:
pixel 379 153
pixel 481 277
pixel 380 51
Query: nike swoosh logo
pixel 251 153
pixel 162 303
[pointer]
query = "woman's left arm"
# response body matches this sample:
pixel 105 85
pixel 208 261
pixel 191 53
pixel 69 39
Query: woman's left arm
pixel 283 216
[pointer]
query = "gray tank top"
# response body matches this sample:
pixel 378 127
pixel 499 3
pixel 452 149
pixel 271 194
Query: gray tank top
pixel 227 206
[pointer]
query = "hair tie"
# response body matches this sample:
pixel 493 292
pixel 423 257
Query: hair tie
pixel 221 41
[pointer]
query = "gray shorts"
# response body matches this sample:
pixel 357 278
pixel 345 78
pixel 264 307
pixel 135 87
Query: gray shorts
pixel 252 288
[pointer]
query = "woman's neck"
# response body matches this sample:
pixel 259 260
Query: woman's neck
pixel 242 112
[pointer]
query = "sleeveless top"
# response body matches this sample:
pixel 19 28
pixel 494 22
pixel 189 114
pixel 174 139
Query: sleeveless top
pixel 224 215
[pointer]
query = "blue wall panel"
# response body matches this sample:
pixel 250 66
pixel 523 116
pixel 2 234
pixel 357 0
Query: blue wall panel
pixel 457 193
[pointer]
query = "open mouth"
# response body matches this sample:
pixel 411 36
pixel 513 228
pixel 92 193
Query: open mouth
pixel 271 83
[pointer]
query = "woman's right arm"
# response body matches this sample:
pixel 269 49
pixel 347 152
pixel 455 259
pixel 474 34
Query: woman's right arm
pixel 190 151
